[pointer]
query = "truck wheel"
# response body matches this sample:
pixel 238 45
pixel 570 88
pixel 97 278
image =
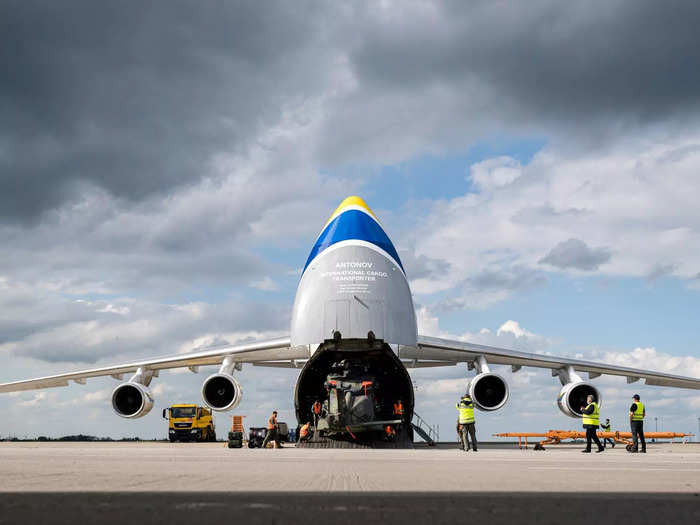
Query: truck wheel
pixel 172 439
pixel 212 435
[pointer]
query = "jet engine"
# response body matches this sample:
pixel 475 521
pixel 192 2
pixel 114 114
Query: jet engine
pixel 488 391
pixel 221 392
pixel 573 396
pixel 132 400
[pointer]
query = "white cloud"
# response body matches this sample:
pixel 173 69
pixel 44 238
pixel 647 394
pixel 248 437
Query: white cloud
pixel 37 399
pixel 120 310
pixel 631 207
pixel 266 284
pixel 495 173
pixel 514 328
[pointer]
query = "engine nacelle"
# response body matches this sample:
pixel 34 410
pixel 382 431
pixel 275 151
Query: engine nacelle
pixel 488 391
pixel 132 400
pixel 573 396
pixel 221 392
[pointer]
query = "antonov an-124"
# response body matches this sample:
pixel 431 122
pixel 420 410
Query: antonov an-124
pixel 353 336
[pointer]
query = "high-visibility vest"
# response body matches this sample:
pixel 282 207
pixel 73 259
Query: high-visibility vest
pixel 638 414
pixel 605 428
pixel 304 431
pixel 466 410
pixel 398 409
pixel 593 418
pixel 316 407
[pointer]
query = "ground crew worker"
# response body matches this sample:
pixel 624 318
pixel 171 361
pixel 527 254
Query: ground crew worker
pixel 466 421
pixel 606 428
pixel 459 435
pixel 272 431
pixel 591 421
pixel 637 413
pixel 316 409
pixel 305 431
pixel 398 409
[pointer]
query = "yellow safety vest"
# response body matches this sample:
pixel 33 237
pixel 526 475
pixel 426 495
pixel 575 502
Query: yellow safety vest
pixel 593 417
pixel 466 412
pixel 604 428
pixel 638 414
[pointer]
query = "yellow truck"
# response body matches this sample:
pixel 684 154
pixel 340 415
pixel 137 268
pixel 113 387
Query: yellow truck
pixel 189 422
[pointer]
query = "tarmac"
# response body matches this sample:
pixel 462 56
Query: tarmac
pixel 177 483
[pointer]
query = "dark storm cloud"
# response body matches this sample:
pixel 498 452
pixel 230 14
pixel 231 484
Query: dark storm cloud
pixel 550 60
pixel 136 97
pixel 576 254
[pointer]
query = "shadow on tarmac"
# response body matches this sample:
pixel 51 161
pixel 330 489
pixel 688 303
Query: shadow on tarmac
pixel 347 508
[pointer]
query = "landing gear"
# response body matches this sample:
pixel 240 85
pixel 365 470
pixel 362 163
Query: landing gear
pixel 539 446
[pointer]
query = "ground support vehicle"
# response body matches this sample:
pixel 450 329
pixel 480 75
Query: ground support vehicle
pixel 189 422
pixel 555 437
pixel 236 434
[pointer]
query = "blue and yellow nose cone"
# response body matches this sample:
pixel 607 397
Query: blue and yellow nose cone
pixel 353 222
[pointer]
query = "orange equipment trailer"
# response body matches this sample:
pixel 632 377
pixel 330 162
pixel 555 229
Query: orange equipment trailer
pixel 555 437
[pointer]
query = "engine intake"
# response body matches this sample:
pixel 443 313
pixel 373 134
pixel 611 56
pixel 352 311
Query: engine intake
pixel 221 392
pixel 488 391
pixel 573 396
pixel 132 400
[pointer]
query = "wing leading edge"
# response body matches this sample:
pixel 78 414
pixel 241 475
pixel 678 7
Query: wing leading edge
pixel 447 352
pixel 274 352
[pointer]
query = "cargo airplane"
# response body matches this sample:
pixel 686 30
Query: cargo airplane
pixel 353 336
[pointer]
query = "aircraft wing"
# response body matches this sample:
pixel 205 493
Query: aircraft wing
pixel 436 351
pixel 272 352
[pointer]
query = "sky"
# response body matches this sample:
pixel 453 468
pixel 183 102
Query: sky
pixel 165 169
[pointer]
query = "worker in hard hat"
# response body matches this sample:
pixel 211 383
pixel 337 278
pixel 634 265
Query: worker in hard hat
pixel 467 421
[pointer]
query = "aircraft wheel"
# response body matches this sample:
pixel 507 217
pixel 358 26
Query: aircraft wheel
pixel 629 448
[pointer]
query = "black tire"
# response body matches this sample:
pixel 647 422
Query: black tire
pixel 235 443
pixel 235 435
pixel 251 444
pixel 172 439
